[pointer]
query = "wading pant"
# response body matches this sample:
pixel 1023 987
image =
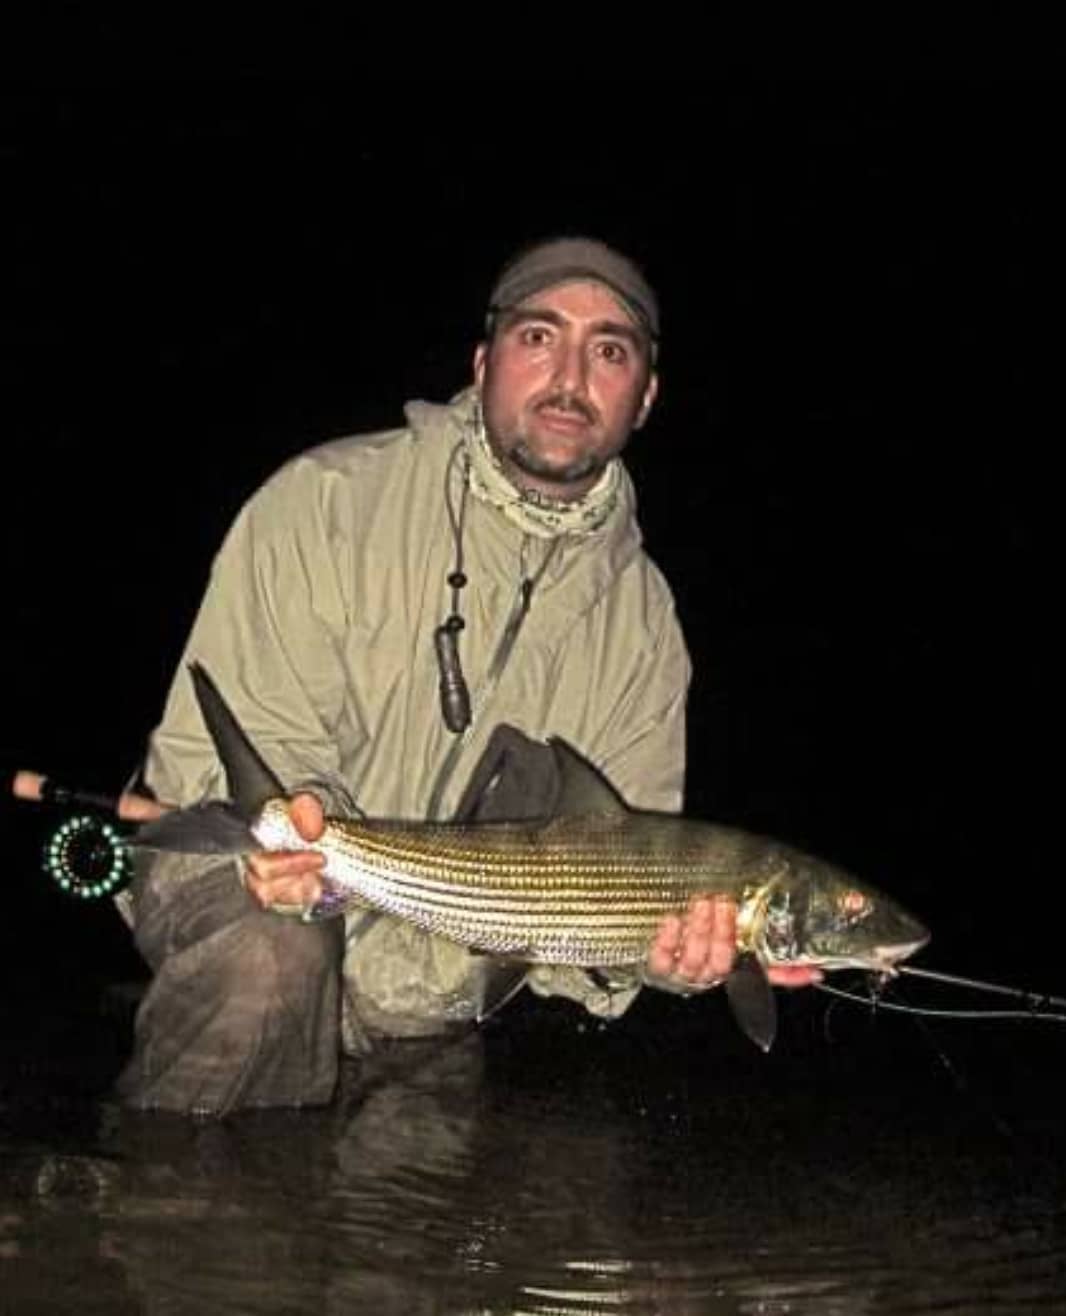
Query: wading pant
pixel 244 1006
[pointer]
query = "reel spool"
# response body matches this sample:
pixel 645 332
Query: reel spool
pixel 87 857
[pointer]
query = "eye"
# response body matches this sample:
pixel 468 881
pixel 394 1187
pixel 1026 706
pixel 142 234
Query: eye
pixel 854 905
pixel 535 335
pixel 613 352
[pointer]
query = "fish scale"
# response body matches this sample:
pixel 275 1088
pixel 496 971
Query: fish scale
pixel 587 888
pixel 588 892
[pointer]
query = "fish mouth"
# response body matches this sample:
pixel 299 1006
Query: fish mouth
pixel 880 959
pixel 886 957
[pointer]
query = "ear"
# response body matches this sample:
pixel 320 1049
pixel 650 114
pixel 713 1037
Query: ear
pixel 480 354
pixel 651 392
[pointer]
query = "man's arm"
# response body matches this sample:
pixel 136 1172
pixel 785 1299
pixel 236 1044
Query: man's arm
pixel 642 752
pixel 266 631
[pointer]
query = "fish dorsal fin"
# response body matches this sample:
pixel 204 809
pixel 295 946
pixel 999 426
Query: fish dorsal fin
pixel 582 788
pixel 250 781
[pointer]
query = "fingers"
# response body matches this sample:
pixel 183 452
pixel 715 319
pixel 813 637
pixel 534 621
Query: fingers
pixel 708 940
pixel 793 975
pixel 290 878
pixel 284 877
pixel 699 947
pixel 666 947
pixel 138 808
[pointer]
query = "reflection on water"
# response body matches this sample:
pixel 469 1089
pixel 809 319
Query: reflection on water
pixel 550 1168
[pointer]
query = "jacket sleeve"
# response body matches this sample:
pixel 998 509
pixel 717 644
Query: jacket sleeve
pixel 267 632
pixel 638 742
pixel 270 632
pixel 639 738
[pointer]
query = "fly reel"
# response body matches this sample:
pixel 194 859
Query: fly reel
pixel 87 857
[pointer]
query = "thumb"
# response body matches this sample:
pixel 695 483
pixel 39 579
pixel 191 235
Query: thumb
pixel 305 810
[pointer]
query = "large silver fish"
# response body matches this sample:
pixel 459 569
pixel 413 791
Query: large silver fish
pixel 588 886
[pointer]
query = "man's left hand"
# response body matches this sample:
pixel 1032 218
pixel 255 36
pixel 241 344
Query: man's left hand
pixel 697 949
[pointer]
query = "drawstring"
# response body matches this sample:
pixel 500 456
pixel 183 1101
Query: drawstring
pixel 519 612
pixel 454 695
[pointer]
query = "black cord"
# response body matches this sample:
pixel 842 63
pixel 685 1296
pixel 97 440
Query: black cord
pixel 454 693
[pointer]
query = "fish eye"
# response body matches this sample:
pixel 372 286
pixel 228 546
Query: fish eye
pixel 854 905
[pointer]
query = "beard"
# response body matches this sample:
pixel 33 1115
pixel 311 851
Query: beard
pixel 526 459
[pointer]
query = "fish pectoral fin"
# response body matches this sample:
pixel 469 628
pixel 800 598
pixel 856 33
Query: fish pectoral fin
pixel 212 828
pixel 502 981
pixel 751 999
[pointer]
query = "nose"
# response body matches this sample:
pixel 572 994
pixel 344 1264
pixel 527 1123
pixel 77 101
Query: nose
pixel 571 366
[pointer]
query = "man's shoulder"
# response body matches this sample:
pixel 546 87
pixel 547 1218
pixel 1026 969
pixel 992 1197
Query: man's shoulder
pixel 427 429
pixel 633 569
pixel 646 587
pixel 637 595
pixel 350 452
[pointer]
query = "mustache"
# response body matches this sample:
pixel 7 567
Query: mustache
pixel 560 401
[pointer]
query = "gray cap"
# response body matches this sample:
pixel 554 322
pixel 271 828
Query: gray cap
pixel 564 259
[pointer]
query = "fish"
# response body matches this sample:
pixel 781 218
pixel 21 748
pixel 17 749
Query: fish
pixel 588 886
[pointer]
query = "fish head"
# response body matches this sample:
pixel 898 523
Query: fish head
pixel 812 913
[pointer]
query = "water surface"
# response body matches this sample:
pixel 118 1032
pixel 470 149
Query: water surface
pixel 659 1165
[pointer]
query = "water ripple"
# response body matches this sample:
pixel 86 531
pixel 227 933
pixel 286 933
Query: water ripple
pixel 455 1190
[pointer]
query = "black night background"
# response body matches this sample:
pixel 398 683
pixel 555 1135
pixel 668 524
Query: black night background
pixel 848 480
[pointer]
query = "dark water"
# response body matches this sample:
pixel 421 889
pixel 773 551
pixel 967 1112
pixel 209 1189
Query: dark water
pixel 547 1166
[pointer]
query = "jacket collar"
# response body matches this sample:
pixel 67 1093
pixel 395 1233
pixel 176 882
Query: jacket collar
pixel 583 567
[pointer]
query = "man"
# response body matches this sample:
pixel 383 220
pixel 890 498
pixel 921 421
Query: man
pixel 377 609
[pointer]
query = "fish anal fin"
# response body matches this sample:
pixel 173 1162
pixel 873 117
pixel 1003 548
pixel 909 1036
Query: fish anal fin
pixel 502 980
pixel 751 999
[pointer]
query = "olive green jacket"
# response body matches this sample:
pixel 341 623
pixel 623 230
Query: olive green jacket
pixel 318 625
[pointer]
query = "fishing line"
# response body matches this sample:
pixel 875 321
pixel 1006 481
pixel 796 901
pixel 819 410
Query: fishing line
pixel 1038 1000
pixel 833 1005
pixel 879 1003
pixel 919 1014
pixel 954 1072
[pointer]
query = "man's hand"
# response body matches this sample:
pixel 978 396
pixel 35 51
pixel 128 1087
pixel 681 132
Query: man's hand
pixel 280 879
pixel 698 949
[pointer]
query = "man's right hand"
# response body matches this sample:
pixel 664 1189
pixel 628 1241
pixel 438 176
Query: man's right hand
pixel 289 879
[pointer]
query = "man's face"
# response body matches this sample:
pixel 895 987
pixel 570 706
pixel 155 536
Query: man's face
pixel 564 381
